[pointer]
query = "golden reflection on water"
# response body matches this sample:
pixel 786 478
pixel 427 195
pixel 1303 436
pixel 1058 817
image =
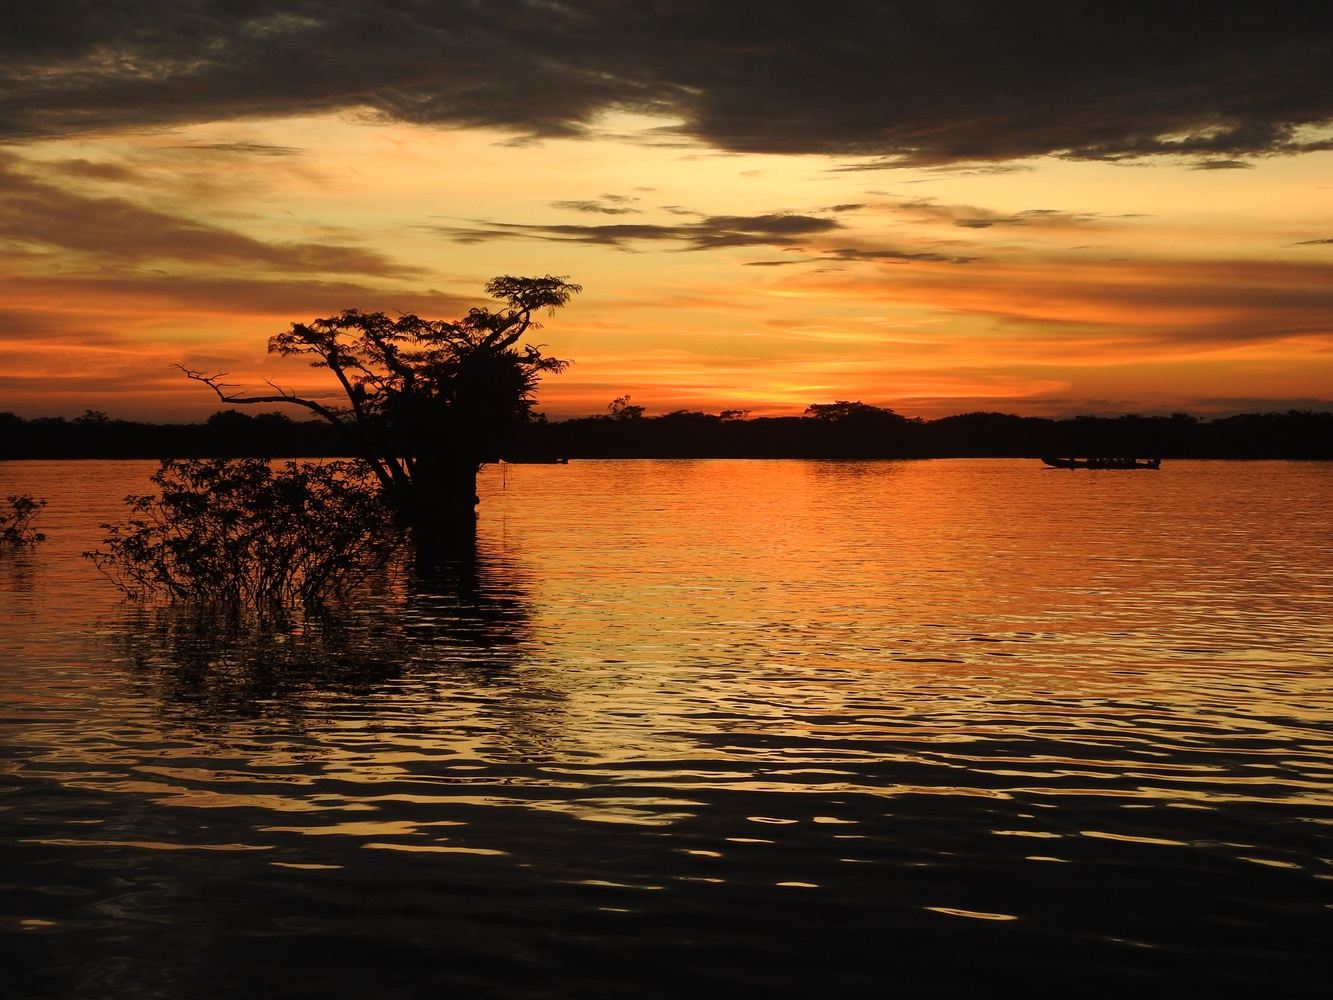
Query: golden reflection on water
pixel 854 682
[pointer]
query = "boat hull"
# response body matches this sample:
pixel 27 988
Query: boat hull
pixel 1103 463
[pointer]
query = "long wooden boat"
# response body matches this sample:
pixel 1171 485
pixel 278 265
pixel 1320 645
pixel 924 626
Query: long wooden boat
pixel 1103 463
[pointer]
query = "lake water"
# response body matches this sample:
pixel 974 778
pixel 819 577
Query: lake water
pixel 782 727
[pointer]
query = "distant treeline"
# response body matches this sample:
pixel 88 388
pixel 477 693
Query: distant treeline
pixel 833 430
pixel 228 434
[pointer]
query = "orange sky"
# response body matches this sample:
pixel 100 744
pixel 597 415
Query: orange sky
pixel 714 277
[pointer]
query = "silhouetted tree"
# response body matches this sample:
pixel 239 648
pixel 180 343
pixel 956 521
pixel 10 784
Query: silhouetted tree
pixel 428 401
pixel 848 410
pixel 852 429
pixel 620 408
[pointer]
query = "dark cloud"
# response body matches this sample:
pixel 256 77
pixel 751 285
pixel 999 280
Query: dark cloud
pixel 709 233
pixel 972 217
pixel 894 255
pixel 35 214
pixel 809 238
pixel 979 170
pixel 870 255
pixel 607 204
pixel 1312 243
pixel 244 148
pixel 1227 164
pixel 1024 218
pixel 962 82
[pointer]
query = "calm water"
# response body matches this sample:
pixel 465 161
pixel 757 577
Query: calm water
pixel 774 726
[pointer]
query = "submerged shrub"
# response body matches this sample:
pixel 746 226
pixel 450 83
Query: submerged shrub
pixel 240 533
pixel 16 522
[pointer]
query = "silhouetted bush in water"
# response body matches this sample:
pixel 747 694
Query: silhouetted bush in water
pixel 242 535
pixel 16 523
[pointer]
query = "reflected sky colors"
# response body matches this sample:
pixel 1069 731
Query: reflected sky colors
pixel 733 722
pixel 936 207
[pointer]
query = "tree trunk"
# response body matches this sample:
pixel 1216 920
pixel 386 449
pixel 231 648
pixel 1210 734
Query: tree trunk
pixel 441 511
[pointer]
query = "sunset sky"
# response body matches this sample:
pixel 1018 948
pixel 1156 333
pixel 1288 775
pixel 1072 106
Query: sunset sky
pixel 1041 208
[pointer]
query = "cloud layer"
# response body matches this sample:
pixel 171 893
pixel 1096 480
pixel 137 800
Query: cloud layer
pixel 924 84
pixel 41 217
pixel 709 233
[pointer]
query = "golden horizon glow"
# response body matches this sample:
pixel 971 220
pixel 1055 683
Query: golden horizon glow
pixel 760 282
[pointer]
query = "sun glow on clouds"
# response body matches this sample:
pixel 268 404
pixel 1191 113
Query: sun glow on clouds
pixel 712 279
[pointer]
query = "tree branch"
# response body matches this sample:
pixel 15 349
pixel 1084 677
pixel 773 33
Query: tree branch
pixel 214 382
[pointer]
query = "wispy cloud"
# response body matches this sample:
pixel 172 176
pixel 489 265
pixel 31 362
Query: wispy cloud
pixel 974 217
pixel 243 148
pixel 607 204
pixel 152 293
pixel 1221 164
pixel 712 232
pixel 893 255
pixel 41 215
pixel 1159 304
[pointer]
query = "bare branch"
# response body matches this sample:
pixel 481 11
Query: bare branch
pixel 212 381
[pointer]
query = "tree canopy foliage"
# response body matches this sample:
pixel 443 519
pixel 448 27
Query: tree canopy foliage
pixel 621 408
pixel 426 402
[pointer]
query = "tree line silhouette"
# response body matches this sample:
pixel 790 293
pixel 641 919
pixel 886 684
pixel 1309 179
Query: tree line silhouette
pixel 833 430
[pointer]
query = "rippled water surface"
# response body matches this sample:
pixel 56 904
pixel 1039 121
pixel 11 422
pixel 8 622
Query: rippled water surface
pixel 775 726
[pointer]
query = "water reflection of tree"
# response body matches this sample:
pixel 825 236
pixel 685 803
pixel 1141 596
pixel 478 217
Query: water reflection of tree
pixel 414 635
pixel 17 571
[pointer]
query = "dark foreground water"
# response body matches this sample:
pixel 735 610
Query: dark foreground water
pixel 741 728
